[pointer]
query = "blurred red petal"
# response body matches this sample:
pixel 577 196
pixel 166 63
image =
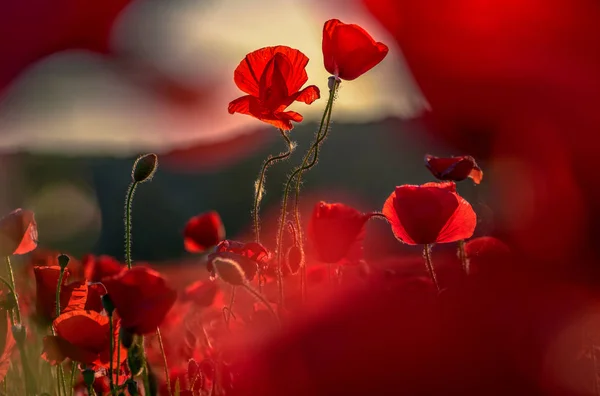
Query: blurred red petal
pixel 18 233
pixel 203 231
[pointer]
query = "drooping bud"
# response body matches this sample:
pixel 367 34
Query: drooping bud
pixel 144 167
pixel 229 271
pixel 294 259
pixel 63 261
pixel 107 304
pixel 89 376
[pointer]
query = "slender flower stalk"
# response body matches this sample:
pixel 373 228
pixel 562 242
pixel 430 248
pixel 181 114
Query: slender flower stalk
pixel 463 256
pixel 429 264
pixel 11 277
pixel 111 369
pixel 229 311
pixel 59 368
pixel 164 356
pixel 260 182
pixel 128 203
pixel 314 151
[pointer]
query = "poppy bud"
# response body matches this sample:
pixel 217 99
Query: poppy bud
pixel 331 82
pixel 229 270
pixel 135 359
pixel 89 376
pixel 63 261
pixel 19 333
pixel 132 387
pixel 144 167
pixel 127 338
pixel 107 304
pixel 10 302
pixel 293 259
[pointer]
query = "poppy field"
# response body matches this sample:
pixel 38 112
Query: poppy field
pixel 478 298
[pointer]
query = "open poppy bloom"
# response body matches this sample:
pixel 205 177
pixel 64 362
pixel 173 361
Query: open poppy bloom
pixel 349 51
pixel 97 267
pixel 18 233
pixel 142 298
pixel 430 213
pixel 84 337
pixel 249 256
pixel 454 168
pixel 203 231
pixel 72 296
pixel 272 78
pixel 335 230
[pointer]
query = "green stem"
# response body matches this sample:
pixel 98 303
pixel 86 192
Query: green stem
pixel 73 370
pixel 258 194
pixel 11 277
pixel 164 356
pixel 58 287
pixel 429 264
pixel 145 376
pixel 128 204
pixel 112 354
pixel 91 390
pixel 463 256
pixel 230 307
pixel 320 136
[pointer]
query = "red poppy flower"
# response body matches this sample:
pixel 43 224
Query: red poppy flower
pixel 7 343
pixel 250 256
pixel 72 297
pixel 430 213
pixel 272 78
pixel 84 337
pixel 349 51
pixel 454 168
pixel 18 233
pixel 202 232
pixel 335 229
pixel 97 267
pixel 142 298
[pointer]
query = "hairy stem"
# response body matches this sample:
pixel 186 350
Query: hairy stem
pixel 128 204
pixel 260 182
pixel 164 356
pixel 429 264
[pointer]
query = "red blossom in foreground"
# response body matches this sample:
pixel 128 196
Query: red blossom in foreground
pixel 84 337
pixel 485 253
pixel 349 51
pixel 272 78
pixel 18 233
pixel 430 213
pixel 335 229
pixel 203 231
pixel 249 256
pixel 72 296
pixel 142 298
pixel 454 168
pixel 97 267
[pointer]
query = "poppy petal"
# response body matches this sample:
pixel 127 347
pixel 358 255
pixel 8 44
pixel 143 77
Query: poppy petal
pixel 18 233
pixel 203 231
pixel 328 45
pixel 308 94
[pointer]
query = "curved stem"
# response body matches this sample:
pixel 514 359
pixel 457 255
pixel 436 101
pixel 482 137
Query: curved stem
pixel 164 356
pixel 263 300
pixel 230 307
pixel 258 193
pixel 11 277
pixel 128 204
pixel 320 136
pixel 429 264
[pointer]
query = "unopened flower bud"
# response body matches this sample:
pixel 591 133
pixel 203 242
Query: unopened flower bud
pixel 229 271
pixel 144 167
pixel 127 338
pixel 63 261
pixel 132 387
pixel 107 304
pixel 89 376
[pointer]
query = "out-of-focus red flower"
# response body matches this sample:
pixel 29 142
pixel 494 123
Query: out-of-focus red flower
pixel 335 229
pixel 485 253
pixel 349 51
pixel 201 293
pixel 142 298
pixel 94 297
pixel 250 256
pixel 72 296
pixel 272 78
pixel 41 257
pixel 84 337
pixel 454 168
pixel 18 233
pixel 203 231
pixel 97 267
pixel 430 213
pixel 7 343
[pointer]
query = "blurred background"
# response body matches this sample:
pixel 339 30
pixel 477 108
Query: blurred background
pixel 86 88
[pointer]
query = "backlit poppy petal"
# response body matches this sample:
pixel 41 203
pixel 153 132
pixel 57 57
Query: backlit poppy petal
pixel 18 233
pixel 349 51
pixel 203 231
pixel 454 168
pixel 431 213
pixel 97 267
pixel 308 94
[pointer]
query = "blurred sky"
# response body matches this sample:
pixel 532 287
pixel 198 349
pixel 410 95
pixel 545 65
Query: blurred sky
pixel 168 77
